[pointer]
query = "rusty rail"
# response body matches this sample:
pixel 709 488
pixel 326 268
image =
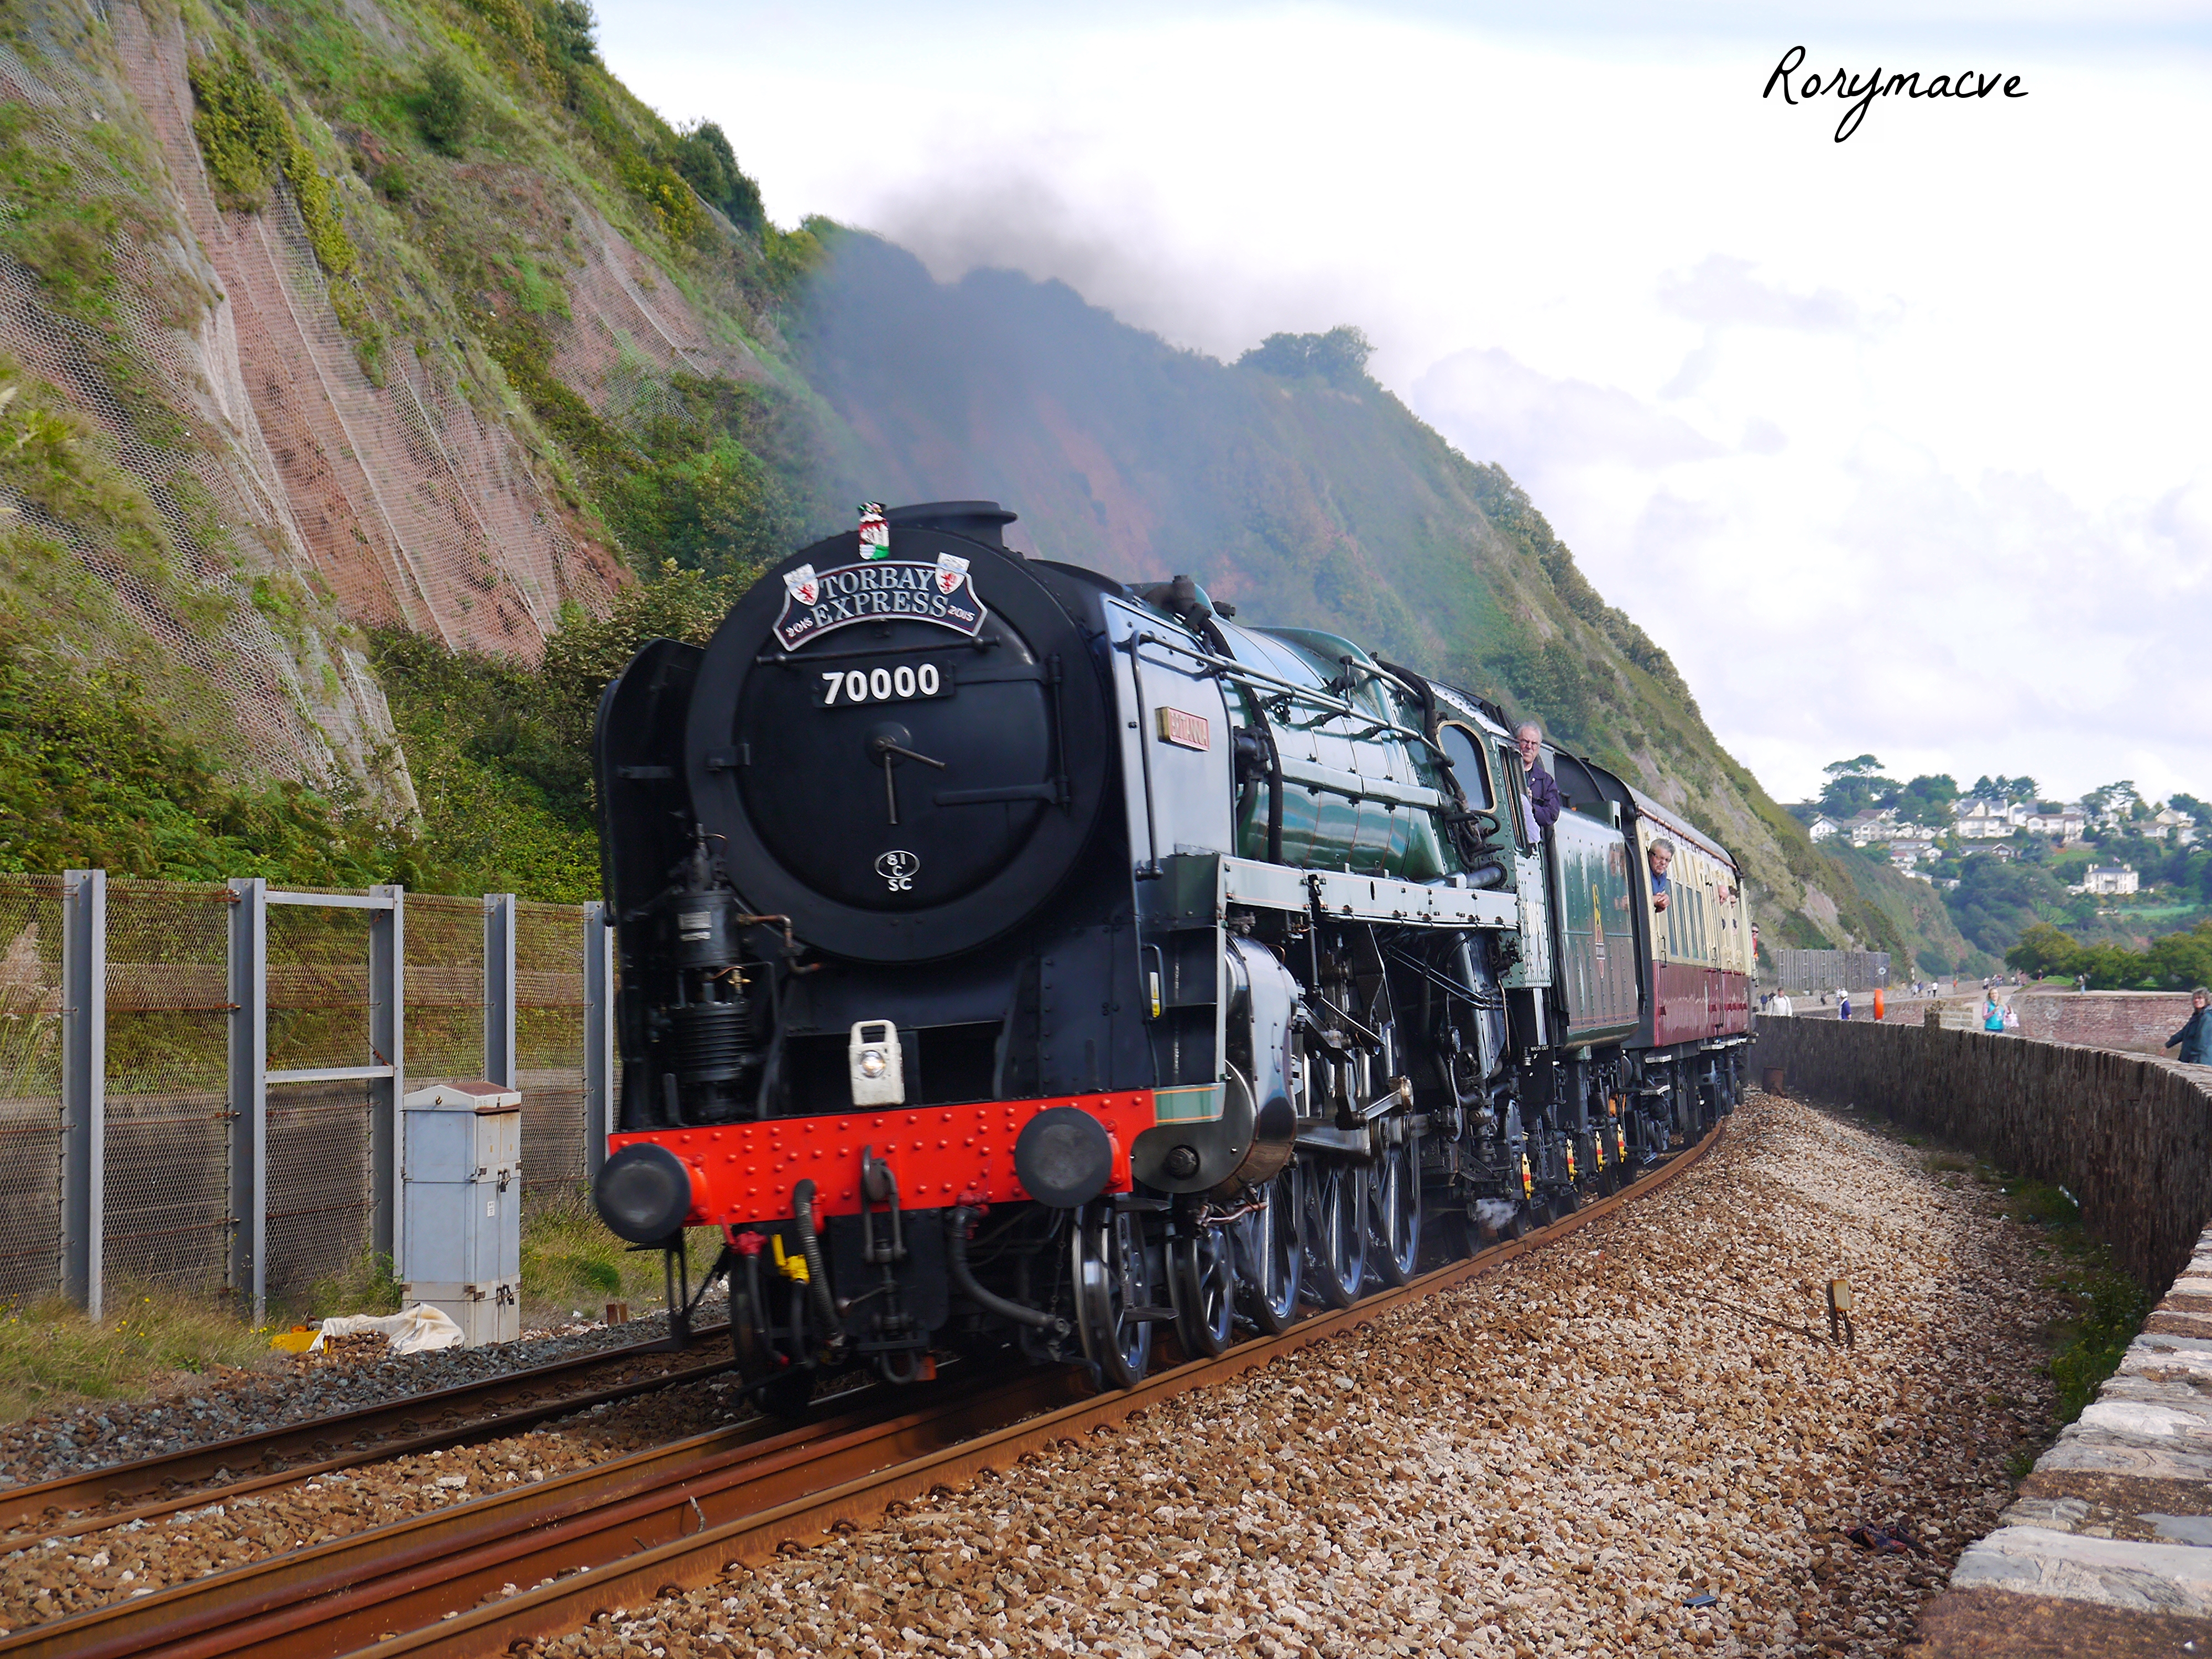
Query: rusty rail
pixel 443 1584
pixel 121 1492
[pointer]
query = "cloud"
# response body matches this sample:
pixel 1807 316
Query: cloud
pixel 1762 437
pixel 1722 292
pixel 1496 408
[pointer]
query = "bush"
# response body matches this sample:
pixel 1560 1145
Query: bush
pixel 242 128
pixel 586 653
pixel 442 107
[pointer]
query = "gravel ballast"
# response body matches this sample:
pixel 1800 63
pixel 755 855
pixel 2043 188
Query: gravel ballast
pixel 1637 1441
pixel 58 1576
pixel 230 1403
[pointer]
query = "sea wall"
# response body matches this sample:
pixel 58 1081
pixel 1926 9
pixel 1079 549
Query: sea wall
pixel 2129 1137
pixel 2137 1020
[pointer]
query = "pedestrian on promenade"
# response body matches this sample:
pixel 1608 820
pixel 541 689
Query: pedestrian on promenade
pixel 2196 1037
pixel 1992 1014
pixel 2012 1019
pixel 1844 1003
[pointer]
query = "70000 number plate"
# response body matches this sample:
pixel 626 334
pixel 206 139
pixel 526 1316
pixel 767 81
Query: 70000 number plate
pixel 906 682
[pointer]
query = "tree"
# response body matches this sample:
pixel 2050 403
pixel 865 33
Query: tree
pixel 1338 356
pixel 2196 808
pixel 2184 961
pixel 2044 950
pixel 1854 785
pixel 569 32
pixel 709 166
pixel 2113 798
pixel 1931 799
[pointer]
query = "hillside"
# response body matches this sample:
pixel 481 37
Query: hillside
pixel 363 363
pixel 1295 486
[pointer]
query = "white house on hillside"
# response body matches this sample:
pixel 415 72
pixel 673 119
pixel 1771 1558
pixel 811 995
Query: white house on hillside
pixel 1822 827
pixel 1990 820
pixel 1869 826
pixel 2067 823
pixel 2107 880
pixel 2181 826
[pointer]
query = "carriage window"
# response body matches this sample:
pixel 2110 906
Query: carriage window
pixel 1467 766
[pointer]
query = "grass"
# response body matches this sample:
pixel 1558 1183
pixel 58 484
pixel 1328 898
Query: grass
pixel 2108 1308
pixel 52 1356
pixel 370 1286
pixel 572 1264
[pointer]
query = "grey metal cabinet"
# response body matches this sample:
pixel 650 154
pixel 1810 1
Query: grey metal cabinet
pixel 461 1235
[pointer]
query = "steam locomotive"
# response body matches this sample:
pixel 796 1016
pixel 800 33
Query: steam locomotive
pixel 1010 958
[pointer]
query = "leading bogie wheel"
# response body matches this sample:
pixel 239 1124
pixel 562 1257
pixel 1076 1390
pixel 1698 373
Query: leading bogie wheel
pixel 1269 1253
pixel 1336 1231
pixel 1113 1280
pixel 1202 1277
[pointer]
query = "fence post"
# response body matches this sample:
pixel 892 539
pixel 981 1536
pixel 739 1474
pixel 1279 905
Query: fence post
pixel 387 1038
pixel 598 1035
pixel 84 1085
pixel 499 990
pixel 249 1092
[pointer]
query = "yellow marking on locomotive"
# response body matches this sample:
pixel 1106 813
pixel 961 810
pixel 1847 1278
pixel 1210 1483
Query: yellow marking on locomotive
pixel 793 1268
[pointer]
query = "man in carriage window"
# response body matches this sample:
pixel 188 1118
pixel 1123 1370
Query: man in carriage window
pixel 1661 855
pixel 1541 808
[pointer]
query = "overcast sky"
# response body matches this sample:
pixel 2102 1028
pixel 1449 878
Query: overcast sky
pixel 1896 444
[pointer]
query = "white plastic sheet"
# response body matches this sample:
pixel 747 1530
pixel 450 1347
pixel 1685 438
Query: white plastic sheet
pixel 420 1329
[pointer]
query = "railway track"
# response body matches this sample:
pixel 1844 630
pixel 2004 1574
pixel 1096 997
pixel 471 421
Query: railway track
pixel 543 1560
pixel 150 1487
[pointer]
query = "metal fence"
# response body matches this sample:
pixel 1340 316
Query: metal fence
pixel 200 1085
pixel 1808 973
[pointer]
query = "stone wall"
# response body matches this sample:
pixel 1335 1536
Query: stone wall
pixel 2140 1021
pixel 2131 1138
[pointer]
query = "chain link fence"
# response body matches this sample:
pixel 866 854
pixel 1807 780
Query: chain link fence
pixel 445 990
pixel 318 1193
pixel 200 1084
pixel 167 1149
pixel 548 1048
pixel 30 1087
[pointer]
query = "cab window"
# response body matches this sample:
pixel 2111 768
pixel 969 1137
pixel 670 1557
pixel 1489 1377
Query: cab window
pixel 1466 767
